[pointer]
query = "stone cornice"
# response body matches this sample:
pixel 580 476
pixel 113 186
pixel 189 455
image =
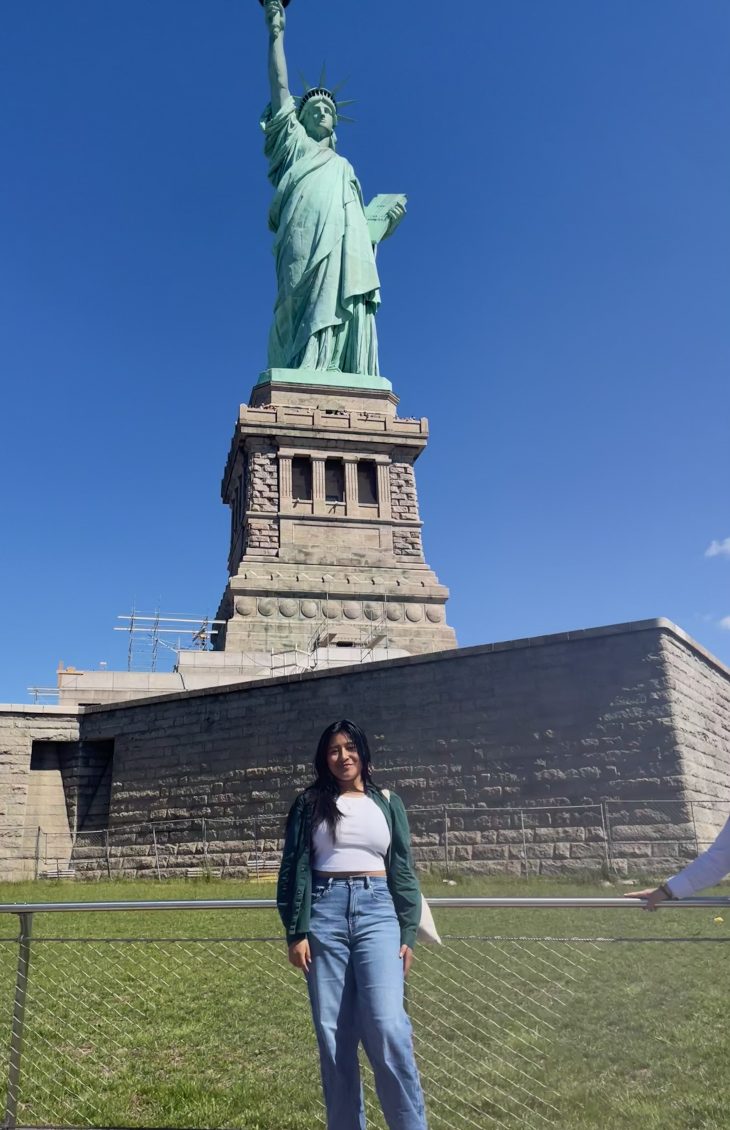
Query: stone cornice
pixel 659 624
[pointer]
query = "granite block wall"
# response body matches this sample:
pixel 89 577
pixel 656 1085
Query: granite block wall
pixel 590 750
pixel 700 702
pixel 20 727
pixel 569 724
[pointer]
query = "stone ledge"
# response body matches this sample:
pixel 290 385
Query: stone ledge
pixel 288 417
pixel 629 628
pixel 27 708
pixel 324 378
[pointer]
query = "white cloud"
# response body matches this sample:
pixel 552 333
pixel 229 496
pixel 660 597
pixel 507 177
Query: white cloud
pixel 718 548
pixel 725 623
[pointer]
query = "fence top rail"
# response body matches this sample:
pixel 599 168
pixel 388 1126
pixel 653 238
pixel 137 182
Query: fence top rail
pixel 438 903
pixel 485 810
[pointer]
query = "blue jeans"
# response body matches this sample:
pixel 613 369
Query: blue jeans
pixel 356 992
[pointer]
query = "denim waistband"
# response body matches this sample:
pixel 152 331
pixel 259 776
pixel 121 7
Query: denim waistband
pixel 366 880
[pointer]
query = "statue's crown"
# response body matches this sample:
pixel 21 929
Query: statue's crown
pixel 322 91
pixel 317 92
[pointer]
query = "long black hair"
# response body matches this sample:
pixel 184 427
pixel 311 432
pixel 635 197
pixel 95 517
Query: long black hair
pixel 324 791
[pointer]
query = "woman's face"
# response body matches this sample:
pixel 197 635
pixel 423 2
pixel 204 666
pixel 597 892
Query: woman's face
pixel 344 762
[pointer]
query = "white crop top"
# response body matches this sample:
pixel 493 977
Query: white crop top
pixel 362 839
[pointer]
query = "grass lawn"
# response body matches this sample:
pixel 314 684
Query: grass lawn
pixel 524 1018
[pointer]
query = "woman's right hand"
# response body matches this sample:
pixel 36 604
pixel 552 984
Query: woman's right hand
pixel 275 18
pixel 653 896
pixel 300 955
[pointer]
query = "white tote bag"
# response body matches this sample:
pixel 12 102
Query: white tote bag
pixel 427 931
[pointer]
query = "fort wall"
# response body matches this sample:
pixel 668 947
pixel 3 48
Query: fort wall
pixel 605 748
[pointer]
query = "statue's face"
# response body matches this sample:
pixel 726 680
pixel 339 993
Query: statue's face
pixel 319 119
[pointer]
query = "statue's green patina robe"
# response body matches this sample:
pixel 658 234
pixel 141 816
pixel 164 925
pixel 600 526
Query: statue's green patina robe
pixel 328 286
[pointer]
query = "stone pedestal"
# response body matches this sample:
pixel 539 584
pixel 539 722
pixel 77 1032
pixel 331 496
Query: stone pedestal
pixel 326 546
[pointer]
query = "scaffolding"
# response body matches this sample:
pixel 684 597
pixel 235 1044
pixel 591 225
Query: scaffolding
pixel 146 631
pixel 149 631
pixel 365 637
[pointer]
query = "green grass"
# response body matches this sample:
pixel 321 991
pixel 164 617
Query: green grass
pixel 185 1019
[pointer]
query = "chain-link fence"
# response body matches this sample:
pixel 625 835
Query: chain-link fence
pixel 119 1017
pixel 613 836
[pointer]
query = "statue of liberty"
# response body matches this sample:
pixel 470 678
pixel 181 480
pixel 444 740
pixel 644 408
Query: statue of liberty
pixel 324 237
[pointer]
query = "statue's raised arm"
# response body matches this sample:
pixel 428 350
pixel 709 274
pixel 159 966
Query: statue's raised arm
pixel 278 76
pixel 328 290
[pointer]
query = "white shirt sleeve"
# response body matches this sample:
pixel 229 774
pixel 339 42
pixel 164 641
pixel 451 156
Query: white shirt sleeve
pixel 706 870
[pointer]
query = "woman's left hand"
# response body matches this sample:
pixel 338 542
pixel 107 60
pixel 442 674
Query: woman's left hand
pixel 395 215
pixel 406 956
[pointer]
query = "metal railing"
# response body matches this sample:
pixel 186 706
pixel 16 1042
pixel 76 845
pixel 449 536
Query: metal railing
pixel 613 836
pixel 208 1026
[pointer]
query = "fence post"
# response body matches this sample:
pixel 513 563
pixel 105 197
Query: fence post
pixel 106 852
pixel 256 846
pixel 606 821
pixel 446 839
pixel 205 844
pixel 38 835
pixel 694 826
pixel 16 1036
pixel 157 858
pixel 524 842
pixel 606 844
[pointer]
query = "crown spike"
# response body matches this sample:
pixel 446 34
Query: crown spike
pixel 338 88
pixel 344 118
pixel 305 84
pixel 346 102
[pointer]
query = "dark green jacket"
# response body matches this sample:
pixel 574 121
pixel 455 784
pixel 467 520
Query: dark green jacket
pixel 294 889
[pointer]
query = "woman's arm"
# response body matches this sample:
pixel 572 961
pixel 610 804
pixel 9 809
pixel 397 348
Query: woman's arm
pixel 288 867
pixel 402 880
pixel 299 952
pixel 704 871
pixel 278 76
pixel 708 869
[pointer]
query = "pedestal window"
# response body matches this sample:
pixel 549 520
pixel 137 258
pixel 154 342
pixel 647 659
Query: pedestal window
pixel 334 480
pixel 301 479
pixel 367 482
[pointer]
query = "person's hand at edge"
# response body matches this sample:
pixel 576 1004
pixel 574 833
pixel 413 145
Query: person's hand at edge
pixel 653 896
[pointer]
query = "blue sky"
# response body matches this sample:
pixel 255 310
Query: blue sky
pixel 556 301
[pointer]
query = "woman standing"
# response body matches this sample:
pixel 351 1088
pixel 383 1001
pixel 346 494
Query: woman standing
pixel 350 903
